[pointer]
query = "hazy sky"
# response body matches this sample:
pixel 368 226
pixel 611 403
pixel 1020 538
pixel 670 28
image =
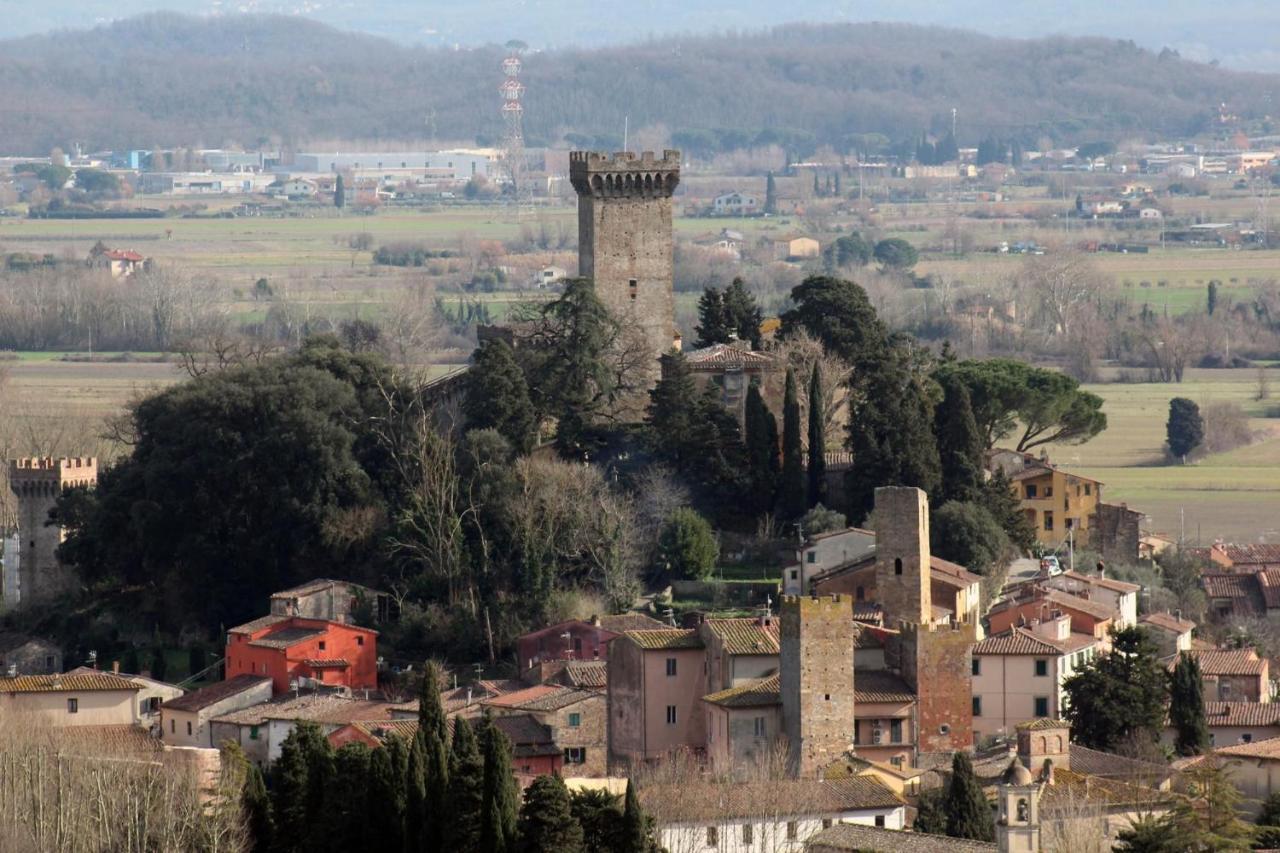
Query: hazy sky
pixel 1239 33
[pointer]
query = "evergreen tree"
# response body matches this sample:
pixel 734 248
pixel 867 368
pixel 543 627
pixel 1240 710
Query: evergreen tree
pixel 599 813
pixel 321 772
pixel 347 800
pixel 297 787
pixel 416 805
pixel 466 787
pixel 817 189
pixel 386 803
pixel 159 664
pixel 1209 821
pixel 770 195
pixel 968 813
pixel 1119 695
pixel 742 314
pixel 1000 499
pixel 960 450
pixel 1150 834
pixel 948 151
pixel 838 313
pixel 791 499
pixel 837 187
pixel 692 432
pixel 1211 301
pixel 763 466
pixel 339 193
pixel 398 753
pixel 497 395
pixel 546 823
pixel 1269 823
pixel 687 547
pixel 636 831
pixel 500 795
pixel 713 320
pixel 931 813
pixel 257 810
pixel 1186 707
pixel 817 440
pixel 1185 427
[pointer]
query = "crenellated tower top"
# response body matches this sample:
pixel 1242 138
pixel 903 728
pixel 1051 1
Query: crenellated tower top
pixel 624 175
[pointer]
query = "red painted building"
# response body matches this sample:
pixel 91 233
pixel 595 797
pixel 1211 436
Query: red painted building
pixel 292 647
pixel 578 639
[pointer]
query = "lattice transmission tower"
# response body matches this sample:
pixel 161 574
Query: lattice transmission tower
pixel 515 163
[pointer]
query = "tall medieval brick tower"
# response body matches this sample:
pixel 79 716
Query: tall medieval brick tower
pixel 815 674
pixel 624 238
pixel 37 483
pixel 902 555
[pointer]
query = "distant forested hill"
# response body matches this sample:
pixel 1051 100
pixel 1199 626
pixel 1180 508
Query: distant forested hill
pixel 171 80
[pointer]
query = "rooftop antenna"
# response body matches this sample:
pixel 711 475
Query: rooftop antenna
pixel 626 131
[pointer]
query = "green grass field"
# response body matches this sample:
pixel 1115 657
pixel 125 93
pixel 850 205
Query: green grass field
pixel 1231 495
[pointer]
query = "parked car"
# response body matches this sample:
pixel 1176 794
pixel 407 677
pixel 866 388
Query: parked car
pixel 1050 566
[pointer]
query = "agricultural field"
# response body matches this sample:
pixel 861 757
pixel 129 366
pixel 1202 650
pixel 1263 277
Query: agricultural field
pixel 1230 495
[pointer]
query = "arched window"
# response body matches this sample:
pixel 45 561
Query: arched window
pixel 1044 745
pixel 897 565
pixel 597 184
pixel 1058 743
pixel 1022 811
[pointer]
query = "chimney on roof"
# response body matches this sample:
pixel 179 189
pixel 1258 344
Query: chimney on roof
pixel 1046 775
pixel 115 667
pixel 1102 570
pixel 1177 614
pixel 595 620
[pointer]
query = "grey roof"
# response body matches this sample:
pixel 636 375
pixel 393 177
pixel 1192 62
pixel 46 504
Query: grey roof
pixel 873 839
pixel 215 693
pixel 286 637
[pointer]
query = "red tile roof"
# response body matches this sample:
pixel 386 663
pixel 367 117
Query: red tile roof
pixel 878 685
pixel 745 636
pixel 213 694
pixel 1225 661
pixel 1242 713
pixel 1267 749
pixel 1168 622
pixel 1252 554
pixel 666 639
pixel 544 697
pixel 76 682
pixel 1017 641
pixel 327 663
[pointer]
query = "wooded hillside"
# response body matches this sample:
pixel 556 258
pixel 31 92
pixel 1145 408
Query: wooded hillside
pixel 172 80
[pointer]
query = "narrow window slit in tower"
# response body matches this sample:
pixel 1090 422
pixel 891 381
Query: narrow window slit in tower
pixel 632 289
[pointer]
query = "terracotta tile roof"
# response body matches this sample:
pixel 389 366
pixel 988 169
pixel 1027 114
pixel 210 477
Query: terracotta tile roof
pixel 702 802
pixel 878 685
pixel 1070 788
pixel 869 612
pixel 725 355
pixel 317 707
pixel 1224 661
pixel 1042 724
pixel 951 574
pixel 1168 622
pixel 1105 583
pixel 105 740
pixel 745 636
pixel 587 674
pixel 1243 590
pixel 752 694
pixel 286 637
pixel 1066 600
pixel 544 697
pixel 1242 713
pixel 1269 748
pixel 666 638
pixel 620 622
pixel 1269 581
pixel 1016 641
pixel 68 682
pixel 383 729
pixel 873 839
pixel 1252 554
pixel 213 694
pixel 327 663
pixel 529 738
pixel 1092 762
pixel 258 624
pixel 124 255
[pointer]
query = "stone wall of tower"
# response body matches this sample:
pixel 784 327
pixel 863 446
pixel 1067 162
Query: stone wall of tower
pixel 37 483
pixel 815 673
pixel 625 239
pixel 936 662
pixel 902 555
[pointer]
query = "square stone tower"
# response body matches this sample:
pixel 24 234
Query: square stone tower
pixel 902 555
pixel 624 238
pixel 37 483
pixel 815 675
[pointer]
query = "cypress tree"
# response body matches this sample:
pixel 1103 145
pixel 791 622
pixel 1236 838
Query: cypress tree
pixel 762 450
pixel 347 800
pixel 931 813
pixel 289 792
pixel 320 782
pixel 159 664
pixel 817 440
pixel 791 501
pixel 257 810
pixel 339 193
pixel 398 753
pixel 415 810
pixel 960 447
pixel 635 833
pixel 497 395
pixel 466 787
pixel 742 315
pixel 713 320
pixel 968 813
pixel 386 802
pixel 1186 707
pixel 434 733
pixel 500 795
pixel 547 824
pixel 770 195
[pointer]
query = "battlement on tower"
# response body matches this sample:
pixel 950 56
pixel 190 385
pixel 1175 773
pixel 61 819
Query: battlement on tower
pixel 623 174
pixel 65 472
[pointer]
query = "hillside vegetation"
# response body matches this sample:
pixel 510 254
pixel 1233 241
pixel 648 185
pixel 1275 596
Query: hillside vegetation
pixel 166 79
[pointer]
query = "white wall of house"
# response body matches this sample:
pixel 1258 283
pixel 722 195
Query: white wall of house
pixel 780 834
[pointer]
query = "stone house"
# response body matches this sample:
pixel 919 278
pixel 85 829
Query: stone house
pixel 1059 504
pixel 655 688
pixel 732 368
pixel 187 720
pixel 1231 675
pixel 1254 769
pixel 575 640
pixel 577 720
pixel 26 655
pixel 331 600
pixel 71 699
pixel 261 729
pixel 743 725
pixel 954 592
pixel 739 650
pixel 1235 723
pixel 151 693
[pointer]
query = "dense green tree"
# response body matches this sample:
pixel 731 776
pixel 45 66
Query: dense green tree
pixel 434 732
pixel 968 812
pixel 1119 695
pixel 819 519
pixel 1150 834
pixel 599 813
pixel 636 832
pixel 965 533
pixel 1001 500
pixel 688 547
pixel 1268 823
pixel 547 824
pixel 931 812
pixel 1208 820
pixel 340 193
pixel 1006 394
pixel 1186 707
pixel 299 779
pixel 713 321
pixel 763 468
pixel 347 799
pixel 817 440
pixel 742 314
pixel 947 150
pixel 242 478
pixel 497 395
pixel 416 804
pixel 692 432
pixel 891 433
pixel 1211 298
pixel 257 810
pixel 849 250
pixel 501 798
pixel 159 663
pixel 466 787
pixel 97 182
pixel 770 195
pixel 1185 428
pixel 838 313
pixel 960 450
pixel 896 253
pixel 386 803
pixel 791 493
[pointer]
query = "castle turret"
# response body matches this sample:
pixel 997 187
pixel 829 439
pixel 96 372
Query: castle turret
pixel 625 238
pixel 902 555
pixel 37 484
pixel 815 676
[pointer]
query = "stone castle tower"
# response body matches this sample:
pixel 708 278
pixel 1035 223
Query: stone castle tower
pixel 37 484
pixel 902 555
pixel 625 238
pixel 815 673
